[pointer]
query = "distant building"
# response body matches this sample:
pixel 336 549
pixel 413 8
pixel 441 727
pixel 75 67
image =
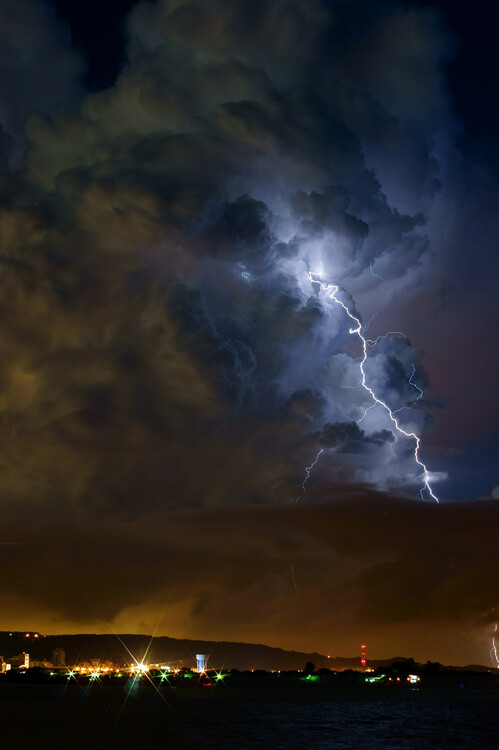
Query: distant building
pixel 201 662
pixel 40 663
pixel 58 657
pixel 20 661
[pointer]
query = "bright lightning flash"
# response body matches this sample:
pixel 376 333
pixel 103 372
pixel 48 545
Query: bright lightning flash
pixel 493 650
pixel 246 275
pixel 356 330
pixel 308 469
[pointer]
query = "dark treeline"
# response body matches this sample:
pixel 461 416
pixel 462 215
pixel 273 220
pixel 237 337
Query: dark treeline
pixel 399 676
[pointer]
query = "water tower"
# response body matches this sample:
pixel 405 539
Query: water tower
pixel 201 662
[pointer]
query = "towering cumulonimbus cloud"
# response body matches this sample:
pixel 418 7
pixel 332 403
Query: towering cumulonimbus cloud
pixel 164 339
pixel 169 346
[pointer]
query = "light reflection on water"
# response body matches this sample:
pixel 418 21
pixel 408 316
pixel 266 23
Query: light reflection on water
pixel 106 718
pixel 432 720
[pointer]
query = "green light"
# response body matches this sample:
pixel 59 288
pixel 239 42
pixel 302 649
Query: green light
pixel 375 679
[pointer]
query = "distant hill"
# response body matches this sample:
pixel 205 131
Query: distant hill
pixel 174 651
pixel 181 652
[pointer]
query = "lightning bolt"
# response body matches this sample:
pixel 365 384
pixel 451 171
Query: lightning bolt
pixel 376 275
pixel 368 322
pixel 413 383
pixel 353 387
pixel 373 342
pixel 421 394
pixel 293 579
pixel 245 274
pixel 493 650
pixel 365 410
pixel 308 469
pixel 356 330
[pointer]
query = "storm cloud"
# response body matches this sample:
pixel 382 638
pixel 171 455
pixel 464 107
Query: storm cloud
pixel 412 575
pixel 162 275
pixel 164 353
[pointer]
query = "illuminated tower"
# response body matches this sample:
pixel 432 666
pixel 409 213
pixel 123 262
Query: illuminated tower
pixel 363 659
pixel 201 661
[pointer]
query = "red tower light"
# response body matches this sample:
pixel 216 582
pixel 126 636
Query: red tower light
pixel 363 659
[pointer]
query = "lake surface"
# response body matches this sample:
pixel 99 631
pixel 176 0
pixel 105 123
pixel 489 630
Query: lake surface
pixel 46 716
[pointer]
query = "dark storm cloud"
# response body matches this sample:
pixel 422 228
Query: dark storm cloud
pixel 239 229
pixel 13 188
pixel 230 360
pixel 350 438
pixel 306 403
pixel 362 560
pixel 263 32
pixel 318 213
pixel 38 68
pixel 161 309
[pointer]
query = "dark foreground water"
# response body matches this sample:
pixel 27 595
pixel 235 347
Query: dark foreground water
pixel 47 716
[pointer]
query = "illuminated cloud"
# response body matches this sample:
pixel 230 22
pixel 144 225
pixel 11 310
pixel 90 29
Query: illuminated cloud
pixel 177 317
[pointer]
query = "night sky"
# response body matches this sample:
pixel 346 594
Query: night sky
pixel 171 173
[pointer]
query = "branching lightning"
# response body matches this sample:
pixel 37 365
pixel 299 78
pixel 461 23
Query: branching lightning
pixel 411 381
pixel 293 579
pixel 376 275
pixel 356 330
pixel 368 322
pixel 308 469
pixel 353 387
pixel 246 275
pixel 373 342
pixel 368 408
